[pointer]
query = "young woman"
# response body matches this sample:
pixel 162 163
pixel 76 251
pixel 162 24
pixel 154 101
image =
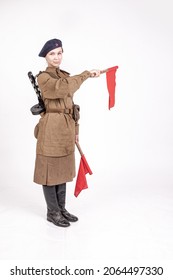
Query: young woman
pixel 57 132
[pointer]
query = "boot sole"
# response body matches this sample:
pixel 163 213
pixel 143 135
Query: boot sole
pixel 57 224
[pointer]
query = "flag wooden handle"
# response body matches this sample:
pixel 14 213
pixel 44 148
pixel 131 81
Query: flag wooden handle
pixel 79 148
pixel 103 71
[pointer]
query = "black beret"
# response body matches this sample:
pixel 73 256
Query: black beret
pixel 50 45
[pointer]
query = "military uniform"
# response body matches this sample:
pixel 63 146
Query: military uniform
pixel 56 130
pixel 55 133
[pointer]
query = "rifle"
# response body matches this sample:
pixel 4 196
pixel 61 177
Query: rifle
pixel 37 108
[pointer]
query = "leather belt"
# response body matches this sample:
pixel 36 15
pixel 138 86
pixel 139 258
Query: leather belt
pixel 65 111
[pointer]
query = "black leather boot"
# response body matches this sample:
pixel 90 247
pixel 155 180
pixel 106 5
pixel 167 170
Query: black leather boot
pixel 61 197
pixel 54 214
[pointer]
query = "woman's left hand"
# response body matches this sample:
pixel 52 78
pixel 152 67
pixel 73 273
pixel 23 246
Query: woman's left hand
pixel 77 138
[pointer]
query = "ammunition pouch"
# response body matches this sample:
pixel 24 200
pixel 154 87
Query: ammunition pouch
pixel 76 114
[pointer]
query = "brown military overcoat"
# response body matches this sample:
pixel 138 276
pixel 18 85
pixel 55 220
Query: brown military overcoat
pixel 56 130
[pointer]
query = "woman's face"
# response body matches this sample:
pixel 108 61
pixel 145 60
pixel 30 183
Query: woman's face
pixel 54 57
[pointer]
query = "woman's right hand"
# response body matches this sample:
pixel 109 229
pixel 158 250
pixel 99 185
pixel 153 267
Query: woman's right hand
pixel 94 73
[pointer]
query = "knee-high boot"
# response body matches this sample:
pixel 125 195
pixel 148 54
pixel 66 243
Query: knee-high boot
pixel 61 197
pixel 54 214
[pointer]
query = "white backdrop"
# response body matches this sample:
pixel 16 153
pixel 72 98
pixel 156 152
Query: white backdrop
pixel 130 147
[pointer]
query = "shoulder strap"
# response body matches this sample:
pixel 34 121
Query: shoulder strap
pixel 51 74
pixel 65 72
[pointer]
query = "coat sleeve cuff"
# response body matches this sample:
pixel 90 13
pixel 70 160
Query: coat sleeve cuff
pixel 85 75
